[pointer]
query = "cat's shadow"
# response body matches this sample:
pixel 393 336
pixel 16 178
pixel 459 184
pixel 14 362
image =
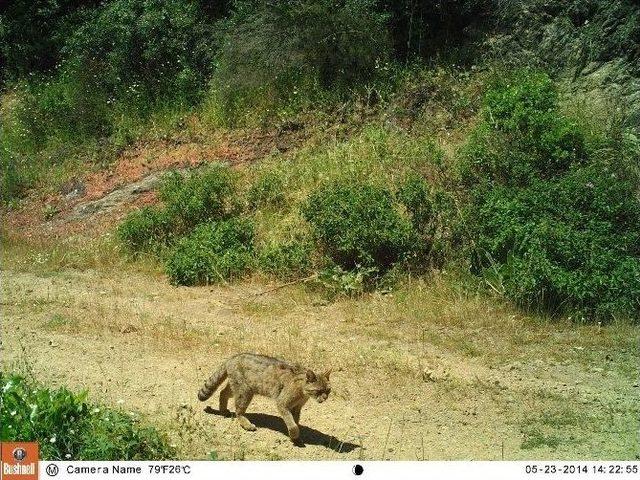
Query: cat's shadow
pixel 308 435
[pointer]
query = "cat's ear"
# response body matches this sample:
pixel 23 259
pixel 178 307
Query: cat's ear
pixel 311 377
pixel 327 373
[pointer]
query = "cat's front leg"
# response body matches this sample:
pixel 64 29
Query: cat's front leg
pixel 292 427
pixel 295 413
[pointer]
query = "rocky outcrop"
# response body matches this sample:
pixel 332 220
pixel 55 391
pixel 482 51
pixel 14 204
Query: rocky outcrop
pixel 592 44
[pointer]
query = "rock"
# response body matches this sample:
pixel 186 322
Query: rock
pixel 128 329
pixel 123 195
pixel 602 67
pixel 73 188
pixel 428 375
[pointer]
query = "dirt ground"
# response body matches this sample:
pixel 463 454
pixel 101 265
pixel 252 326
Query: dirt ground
pixel 423 373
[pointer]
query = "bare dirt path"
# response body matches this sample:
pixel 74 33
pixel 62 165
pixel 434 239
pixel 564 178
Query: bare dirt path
pixel 406 386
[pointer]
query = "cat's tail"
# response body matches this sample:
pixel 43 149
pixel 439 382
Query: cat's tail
pixel 212 383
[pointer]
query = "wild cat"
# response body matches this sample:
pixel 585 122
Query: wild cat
pixel 249 374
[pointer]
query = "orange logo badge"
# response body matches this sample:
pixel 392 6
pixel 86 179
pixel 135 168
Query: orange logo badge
pixel 19 461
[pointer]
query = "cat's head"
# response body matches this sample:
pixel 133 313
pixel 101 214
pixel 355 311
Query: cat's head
pixel 318 386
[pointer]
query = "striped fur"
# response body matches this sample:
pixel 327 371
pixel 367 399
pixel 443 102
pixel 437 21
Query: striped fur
pixel 213 382
pixel 250 374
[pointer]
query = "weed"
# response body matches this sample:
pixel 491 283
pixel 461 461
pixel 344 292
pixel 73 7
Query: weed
pixel 285 259
pixel 67 426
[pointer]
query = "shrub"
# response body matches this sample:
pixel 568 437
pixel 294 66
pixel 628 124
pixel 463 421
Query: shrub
pixel 141 51
pixel 212 253
pixel 202 196
pixel 267 190
pixel 523 134
pixel 144 229
pixel 189 200
pixel 286 259
pixel 61 109
pixel 359 225
pixel 555 227
pixel 569 244
pixel 433 216
pixel 67 427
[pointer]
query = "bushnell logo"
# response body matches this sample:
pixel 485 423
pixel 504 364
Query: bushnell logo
pixel 19 460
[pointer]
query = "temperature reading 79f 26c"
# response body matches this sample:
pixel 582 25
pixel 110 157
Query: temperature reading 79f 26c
pixel 170 469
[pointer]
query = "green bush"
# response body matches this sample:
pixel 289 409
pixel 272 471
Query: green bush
pixel 145 229
pixel 286 259
pixel 60 109
pixel 433 216
pixel 202 196
pixel 267 190
pixel 523 134
pixel 142 51
pixel 212 253
pixel 188 200
pixel 67 427
pixel 197 221
pixel 359 225
pixel 550 224
pixel 569 244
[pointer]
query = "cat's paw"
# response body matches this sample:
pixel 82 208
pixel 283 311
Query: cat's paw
pixel 298 443
pixel 294 434
pixel 247 425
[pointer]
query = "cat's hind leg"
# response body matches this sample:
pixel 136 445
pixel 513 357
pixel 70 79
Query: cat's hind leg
pixel 242 402
pixel 225 394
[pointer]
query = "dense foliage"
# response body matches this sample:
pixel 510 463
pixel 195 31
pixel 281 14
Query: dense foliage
pixel 359 225
pixel 212 253
pixel 283 54
pixel 187 201
pixel 68 427
pixel 140 51
pixel 539 204
pixel 33 33
pixel 553 224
